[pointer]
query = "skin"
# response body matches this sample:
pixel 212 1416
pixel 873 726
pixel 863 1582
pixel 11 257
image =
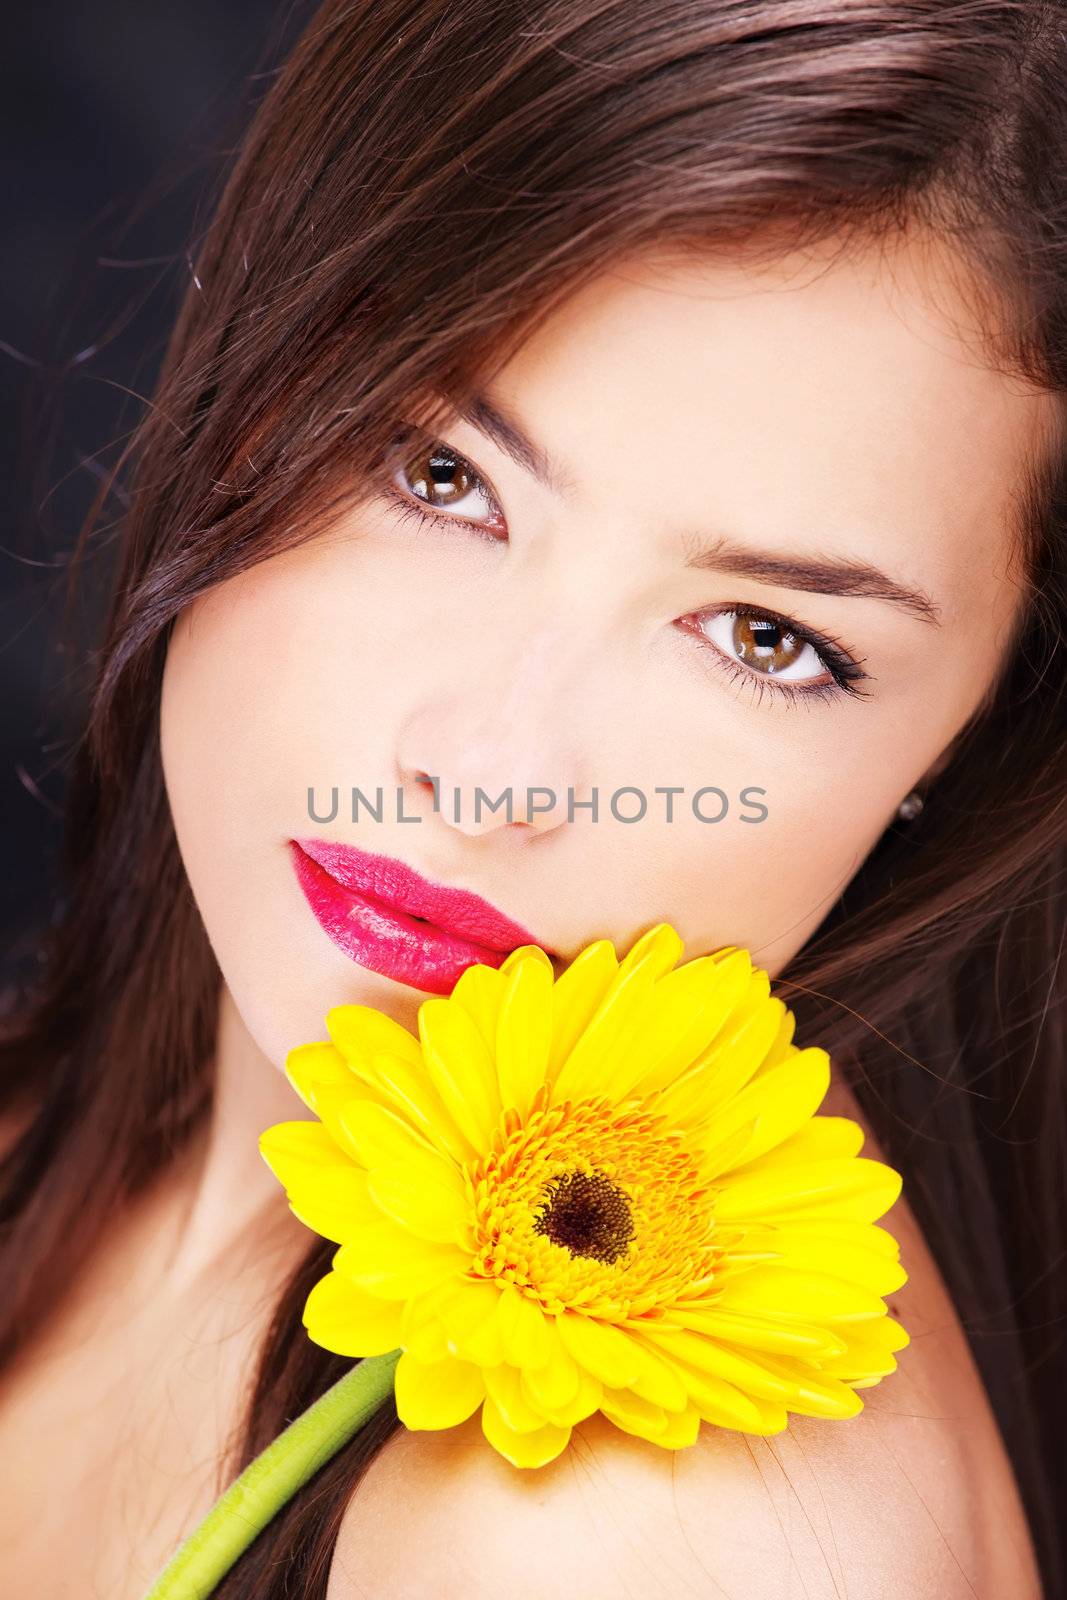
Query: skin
pixel 829 408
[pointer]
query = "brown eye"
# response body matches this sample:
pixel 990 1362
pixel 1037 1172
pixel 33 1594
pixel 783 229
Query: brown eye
pixel 438 476
pixel 450 489
pixel 768 647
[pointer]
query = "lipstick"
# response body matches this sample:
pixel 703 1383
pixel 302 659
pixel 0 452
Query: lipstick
pixel 392 920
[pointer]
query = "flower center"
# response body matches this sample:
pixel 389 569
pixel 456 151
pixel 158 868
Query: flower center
pixel 593 1207
pixel 588 1215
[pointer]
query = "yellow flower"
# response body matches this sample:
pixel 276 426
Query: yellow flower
pixel 606 1191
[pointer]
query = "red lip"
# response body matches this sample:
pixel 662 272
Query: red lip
pixel 392 920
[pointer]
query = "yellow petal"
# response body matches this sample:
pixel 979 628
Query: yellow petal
pixel 461 1068
pixel 813 1251
pixel 386 1063
pixel 361 1032
pixel 425 1193
pixel 345 1319
pixel 861 1365
pixel 555 1382
pixel 329 1195
pixel 729 1406
pixel 856 1189
pixel 769 1237
pixel 659 1381
pixel 479 989
pixel 763 1377
pixel 576 995
pixel 336 1205
pixel 523 1449
pixel 379 1136
pixel 295 1149
pixel 421 1331
pixel 820 1139
pixel 632 1414
pixel 888 1329
pixel 468 1315
pixel 782 1044
pixel 818 1394
pixel 733 1057
pixel 656 951
pixel 788 1292
pixel 436 1394
pixel 761 1333
pixel 866 1234
pixel 524 1029
pixel 604 1351
pixel 724 1403
pixel 781 1101
pixel 583 1403
pixel 320 1062
pixel 525 952
pixel 413 1096
pixel 753 1003
pixel 325 1082
pixel 870 1351
pixel 681 1430
pixel 774 1418
pixel 503 1385
pixel 718 1155
pixel 389 1261
pixel 523 1330
pixel 686 1009
pixel 589 1068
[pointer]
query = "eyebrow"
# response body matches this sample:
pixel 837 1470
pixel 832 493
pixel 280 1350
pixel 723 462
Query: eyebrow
pixel 847 576
pixel 500 425
pixel 828 575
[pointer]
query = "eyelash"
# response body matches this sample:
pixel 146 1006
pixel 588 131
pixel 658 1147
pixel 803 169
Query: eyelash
pixel 845 669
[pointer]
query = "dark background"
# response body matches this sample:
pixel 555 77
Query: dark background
pixel 118 121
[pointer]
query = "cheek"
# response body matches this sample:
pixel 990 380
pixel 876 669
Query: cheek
pixel 261 699
pixel 273 682
pixel 213 755
pixel 764 884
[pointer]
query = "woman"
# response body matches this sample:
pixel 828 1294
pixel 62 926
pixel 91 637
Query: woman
pixel 574 398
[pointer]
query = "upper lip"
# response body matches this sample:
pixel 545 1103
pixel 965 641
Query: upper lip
pixel 400 887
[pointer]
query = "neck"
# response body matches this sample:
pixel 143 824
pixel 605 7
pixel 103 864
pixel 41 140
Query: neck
pixel 233 1210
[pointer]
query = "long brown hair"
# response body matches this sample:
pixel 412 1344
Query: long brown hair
pixel 422 182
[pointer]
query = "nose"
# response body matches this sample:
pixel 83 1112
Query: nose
pixel 498 743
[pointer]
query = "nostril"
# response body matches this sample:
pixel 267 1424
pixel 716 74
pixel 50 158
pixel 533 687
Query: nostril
pixel 423 780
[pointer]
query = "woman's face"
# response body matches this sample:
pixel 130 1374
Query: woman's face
pixel 711 448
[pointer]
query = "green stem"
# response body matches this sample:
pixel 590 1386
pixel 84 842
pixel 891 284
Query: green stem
pixel 272 1478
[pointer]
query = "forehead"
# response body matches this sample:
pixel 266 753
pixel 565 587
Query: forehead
pixel 838 400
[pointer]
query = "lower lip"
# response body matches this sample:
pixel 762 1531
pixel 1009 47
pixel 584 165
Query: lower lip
pixel 390 942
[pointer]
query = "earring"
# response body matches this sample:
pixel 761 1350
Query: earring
pixel 910 806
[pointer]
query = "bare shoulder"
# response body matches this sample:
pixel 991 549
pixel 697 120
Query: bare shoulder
pixel 889 1503
pixel 913 1497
